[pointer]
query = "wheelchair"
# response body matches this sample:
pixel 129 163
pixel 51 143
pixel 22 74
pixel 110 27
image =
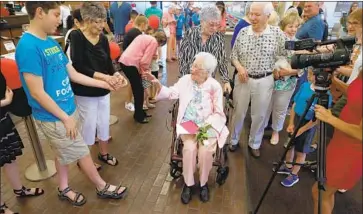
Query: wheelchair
pixel 176 157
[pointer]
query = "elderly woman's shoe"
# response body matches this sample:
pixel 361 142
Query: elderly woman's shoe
pixel 204 193
pixel 186 195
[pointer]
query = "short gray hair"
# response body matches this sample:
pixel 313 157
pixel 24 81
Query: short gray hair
pixel 209 62
pixel 93 11
pixel 267 7
pixel 210 13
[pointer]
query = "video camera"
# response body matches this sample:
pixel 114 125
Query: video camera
pixel 341 55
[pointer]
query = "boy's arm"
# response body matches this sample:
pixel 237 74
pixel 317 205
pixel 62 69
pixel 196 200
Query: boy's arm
pixel 306 127
pixel 292 115
pixel 36 89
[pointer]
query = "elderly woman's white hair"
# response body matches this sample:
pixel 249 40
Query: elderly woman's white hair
pixel 210 13
pixel 247 7
pixel 209 61
pixel 268 7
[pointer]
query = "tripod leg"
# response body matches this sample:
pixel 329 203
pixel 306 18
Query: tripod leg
pixel 289 146
pixel 323 100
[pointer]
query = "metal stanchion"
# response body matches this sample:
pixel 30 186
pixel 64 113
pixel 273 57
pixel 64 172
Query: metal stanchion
pixel 42 169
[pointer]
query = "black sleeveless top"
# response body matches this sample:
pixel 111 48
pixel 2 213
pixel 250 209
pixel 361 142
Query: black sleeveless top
pixel 2 93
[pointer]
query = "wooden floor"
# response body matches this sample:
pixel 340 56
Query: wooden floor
pixel 143 152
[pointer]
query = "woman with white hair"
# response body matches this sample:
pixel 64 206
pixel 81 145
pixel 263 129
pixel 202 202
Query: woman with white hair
pixel 200 105
pixel 205 38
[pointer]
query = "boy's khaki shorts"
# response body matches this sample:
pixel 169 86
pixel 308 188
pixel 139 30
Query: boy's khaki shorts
pixel 66 150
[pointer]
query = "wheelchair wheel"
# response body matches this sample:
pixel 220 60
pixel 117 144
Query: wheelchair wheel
pixel 222 174
pixel 175 170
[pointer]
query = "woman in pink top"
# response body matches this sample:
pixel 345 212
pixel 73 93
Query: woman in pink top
pixel 169 23
pixel 221 6
pixel 135 62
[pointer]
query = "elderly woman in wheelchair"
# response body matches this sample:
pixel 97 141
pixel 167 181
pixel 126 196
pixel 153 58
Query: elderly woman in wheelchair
pixel 200 121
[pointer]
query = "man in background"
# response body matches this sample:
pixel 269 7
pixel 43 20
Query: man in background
pixel 65 12
pixel 155 11
pixel 120 16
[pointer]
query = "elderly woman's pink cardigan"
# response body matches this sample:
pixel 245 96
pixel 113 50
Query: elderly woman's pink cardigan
pixel 212 103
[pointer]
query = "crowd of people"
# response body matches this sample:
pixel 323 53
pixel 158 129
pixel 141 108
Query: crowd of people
pixel 69 93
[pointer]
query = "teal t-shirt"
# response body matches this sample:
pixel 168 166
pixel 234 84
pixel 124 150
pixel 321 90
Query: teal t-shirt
pixel 154 11
pixel 302 98
pixel 45 58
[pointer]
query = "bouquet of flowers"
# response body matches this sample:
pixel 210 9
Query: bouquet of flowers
pixel 203 134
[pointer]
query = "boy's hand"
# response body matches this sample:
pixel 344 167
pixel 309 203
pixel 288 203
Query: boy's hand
pixel 301 130
pixel 290 128
pixel 71 127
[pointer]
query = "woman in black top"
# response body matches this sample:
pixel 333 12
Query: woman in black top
pixel 10 148
pixel 90 54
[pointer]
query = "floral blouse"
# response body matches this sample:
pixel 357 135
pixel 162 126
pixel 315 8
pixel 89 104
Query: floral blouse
pixel 288 83
pixel 194 109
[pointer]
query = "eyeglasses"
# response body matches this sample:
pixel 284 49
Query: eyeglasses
pixel 99 21
pixel 213 24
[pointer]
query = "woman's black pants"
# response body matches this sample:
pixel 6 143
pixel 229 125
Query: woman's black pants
pixel 135 80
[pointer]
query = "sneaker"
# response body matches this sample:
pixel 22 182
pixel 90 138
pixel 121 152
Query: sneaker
pixel 342 191
pixel 283 170
pixel 290 180
pixel 130 106
pixel 161 64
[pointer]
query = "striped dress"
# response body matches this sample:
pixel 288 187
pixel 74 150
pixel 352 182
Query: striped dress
pixel 10 142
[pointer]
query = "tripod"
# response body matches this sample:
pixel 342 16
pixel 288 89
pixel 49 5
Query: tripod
pixel 321 88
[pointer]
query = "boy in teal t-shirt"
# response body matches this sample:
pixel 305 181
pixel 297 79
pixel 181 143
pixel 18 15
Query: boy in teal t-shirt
pixel 45 73
pixel 305 134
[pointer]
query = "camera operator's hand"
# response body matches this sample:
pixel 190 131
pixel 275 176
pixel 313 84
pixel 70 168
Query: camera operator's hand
pixel 344 70
pixel 242 74
pixel 323 114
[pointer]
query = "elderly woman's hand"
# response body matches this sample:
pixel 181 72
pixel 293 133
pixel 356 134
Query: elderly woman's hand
pixel 227 87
